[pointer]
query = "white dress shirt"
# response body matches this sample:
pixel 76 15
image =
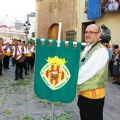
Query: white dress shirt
pixel 97 61
pixel 113 6
pixel 32 48
pixel 8 48
pixel 19 50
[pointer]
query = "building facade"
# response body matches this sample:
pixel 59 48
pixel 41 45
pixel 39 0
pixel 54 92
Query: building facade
pixel 48 14
pixel 74 18
pixel 9 35
pixel 110 19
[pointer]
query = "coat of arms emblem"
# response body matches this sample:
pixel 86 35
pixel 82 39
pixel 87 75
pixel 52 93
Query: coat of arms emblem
pixel 55 73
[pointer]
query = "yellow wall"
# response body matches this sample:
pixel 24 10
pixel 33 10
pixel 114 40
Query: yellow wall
pixel 82 17
pixel 111 20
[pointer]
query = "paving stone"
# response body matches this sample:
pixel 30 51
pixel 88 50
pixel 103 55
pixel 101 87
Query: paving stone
pixel 18 97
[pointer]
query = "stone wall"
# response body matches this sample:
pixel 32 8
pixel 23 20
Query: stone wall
pixel 49 13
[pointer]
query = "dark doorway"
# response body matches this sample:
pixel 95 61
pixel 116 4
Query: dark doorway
pixel 53 32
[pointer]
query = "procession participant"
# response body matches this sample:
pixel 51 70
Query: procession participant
pixel 13 59
pixel 8 52
pixel 33 55
pixel 116 66
pixel 105 42
pixel 29 57
pixel 25 53
pixel 18 54
pixel 1 51
pixel 93 76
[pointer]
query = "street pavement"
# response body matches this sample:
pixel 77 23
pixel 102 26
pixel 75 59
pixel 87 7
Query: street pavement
pixel 18 101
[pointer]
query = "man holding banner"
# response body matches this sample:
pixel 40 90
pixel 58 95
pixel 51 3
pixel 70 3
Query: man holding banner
pixel 93 76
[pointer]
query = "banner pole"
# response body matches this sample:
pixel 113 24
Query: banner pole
pixel 59 32
pixel 58 45
pixel 53 106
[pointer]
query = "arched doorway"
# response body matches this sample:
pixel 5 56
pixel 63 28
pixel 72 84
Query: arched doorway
pixel 53 32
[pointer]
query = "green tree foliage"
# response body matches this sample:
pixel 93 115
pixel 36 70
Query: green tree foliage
pixel 30 41
pixel 33 34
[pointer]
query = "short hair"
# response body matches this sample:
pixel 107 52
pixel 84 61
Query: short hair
pixel 23 41
pixel 116 46
pixel 1 38
pixel 104 41
pixel 19 40
pixel 99 29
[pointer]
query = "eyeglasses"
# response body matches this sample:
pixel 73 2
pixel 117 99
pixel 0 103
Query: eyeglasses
pixel 90 33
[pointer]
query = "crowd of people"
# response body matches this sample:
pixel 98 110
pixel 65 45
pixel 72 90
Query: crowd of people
pixel 114 61
pixel 114 64
pixel 21 54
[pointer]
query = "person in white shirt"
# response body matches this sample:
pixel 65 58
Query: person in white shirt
pixel 25 53
pixel 19 52
pixel 112 5
pixel 8 52
pixel 29 57
pixel 92 76
pixel 33 54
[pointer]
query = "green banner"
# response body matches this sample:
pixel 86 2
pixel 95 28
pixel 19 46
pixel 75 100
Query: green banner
pixel 56 71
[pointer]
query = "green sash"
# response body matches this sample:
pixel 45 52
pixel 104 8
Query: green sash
pixel 56 71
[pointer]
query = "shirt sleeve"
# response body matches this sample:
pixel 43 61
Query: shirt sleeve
pixel 14 51
pixel 4 47
pixel 32 49
pixel 110 54
pixel 25 50
pixel 97 61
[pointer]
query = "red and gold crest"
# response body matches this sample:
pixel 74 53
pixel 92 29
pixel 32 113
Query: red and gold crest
pixel 55 73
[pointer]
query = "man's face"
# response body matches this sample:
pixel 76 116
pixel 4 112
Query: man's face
pixel 29 45
pixel 23 43
pixel 7 44
pixel 92 34
pixel 33 44
pixel 19 43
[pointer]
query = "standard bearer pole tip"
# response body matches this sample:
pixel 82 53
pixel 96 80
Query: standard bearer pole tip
pixel 60 20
